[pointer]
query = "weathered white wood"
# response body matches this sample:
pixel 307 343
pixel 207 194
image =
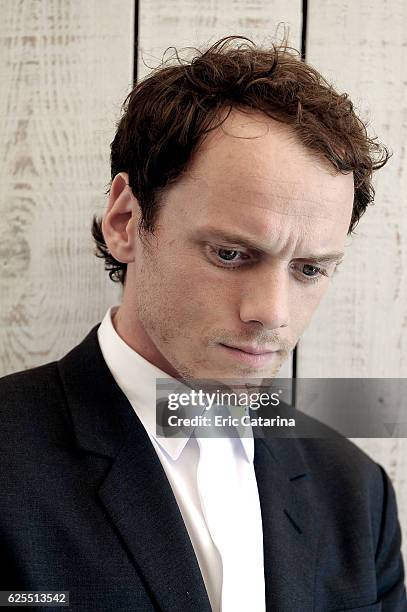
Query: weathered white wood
pixel 360 329
pixel 179 23
pixel 65 68
pixel 199 24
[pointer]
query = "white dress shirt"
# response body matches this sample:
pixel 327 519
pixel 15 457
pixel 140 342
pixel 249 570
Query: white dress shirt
pixel 213 481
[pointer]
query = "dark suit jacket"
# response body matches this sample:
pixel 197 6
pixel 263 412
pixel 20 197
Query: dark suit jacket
pixel 86 507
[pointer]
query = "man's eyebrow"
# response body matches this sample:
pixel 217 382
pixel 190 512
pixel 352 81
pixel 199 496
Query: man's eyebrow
pixel 252 244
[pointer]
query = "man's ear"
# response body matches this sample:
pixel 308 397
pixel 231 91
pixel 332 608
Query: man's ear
pixel 120 219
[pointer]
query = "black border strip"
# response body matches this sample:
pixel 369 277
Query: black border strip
pixel 304 28
pixel 135 47
pixel 303 56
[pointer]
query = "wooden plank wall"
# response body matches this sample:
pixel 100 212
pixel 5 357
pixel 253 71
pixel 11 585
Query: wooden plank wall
pixel 361 325
pixel 65 68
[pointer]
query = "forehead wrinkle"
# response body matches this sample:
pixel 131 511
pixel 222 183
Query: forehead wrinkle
pixel 280 187
pixel 255 194
pixel 298 191
pixel 291 214
pixel 290 195
pixel 249 207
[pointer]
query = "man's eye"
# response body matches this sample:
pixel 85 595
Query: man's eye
pixel 226 256
pixel 310 270
pixel 311 273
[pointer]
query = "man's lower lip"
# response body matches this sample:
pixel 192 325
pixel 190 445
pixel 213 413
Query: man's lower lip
pixel 249 358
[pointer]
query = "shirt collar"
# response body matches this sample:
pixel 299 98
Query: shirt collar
pixel 136 377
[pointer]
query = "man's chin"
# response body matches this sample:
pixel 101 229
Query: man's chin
pixel 230 377
pixel 232 381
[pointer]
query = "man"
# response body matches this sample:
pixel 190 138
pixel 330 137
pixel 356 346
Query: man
pixel 236 179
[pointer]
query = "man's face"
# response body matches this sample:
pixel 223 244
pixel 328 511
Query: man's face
pixel 233 262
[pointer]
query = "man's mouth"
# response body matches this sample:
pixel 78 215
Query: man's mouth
pixel 250 355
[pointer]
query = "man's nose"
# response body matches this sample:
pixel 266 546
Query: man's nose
pixel 266 300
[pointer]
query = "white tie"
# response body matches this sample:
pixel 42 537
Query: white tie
pixel 229 497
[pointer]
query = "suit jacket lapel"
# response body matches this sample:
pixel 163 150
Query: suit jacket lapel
pixel 135 492
pixel 290 524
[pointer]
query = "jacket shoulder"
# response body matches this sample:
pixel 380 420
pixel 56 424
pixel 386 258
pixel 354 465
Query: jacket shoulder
pixel 333 452
pixel 32 402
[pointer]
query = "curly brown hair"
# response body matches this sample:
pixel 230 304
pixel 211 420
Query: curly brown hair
pixel 167 114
